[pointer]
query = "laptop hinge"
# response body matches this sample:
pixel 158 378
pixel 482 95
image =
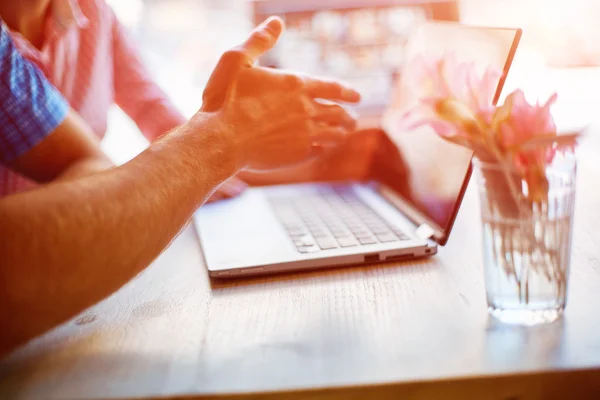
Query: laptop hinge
pixel 424 232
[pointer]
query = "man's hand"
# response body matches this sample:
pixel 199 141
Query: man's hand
pixel 229 189
pixel 276 118
pixel 350 162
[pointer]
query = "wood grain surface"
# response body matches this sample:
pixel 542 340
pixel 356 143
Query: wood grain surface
pixel 417 328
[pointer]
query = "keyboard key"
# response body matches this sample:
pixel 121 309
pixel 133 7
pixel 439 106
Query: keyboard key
pixel 296 233
pixel 313 225
pixel 304 241
pixel 400 234
pixel 362 234
pixel 338 231
pixel 308 249
pixel 292 227
pixel 359 231
pixel 387 237
pixel 379 229
pixel 327 243
pixel 347 241
pixel 355 226
pixel 371 223
pixel 311 221
pixel 367 240
pixel 344 234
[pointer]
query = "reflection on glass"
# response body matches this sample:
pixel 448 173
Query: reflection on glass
pixel 436 168
pixel 363 47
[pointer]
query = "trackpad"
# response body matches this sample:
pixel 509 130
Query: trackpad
pixel 242 231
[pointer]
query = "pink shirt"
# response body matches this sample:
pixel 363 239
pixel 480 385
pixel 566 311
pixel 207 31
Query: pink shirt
pixel 89 57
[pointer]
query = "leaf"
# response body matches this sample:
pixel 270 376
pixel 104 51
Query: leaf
pixel 480 150
pixel 457 113
pixel 502 114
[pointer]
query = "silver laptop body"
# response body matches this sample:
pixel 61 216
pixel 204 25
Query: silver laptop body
pixel 308 226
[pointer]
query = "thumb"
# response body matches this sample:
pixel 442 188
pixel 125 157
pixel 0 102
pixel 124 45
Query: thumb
pixel 261 40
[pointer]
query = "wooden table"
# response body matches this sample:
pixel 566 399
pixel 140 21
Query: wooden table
pixel 418 329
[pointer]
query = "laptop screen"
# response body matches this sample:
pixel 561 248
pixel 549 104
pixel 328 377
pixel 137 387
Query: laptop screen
pixel 428 174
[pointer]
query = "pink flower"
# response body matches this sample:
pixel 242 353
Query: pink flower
pixel 452 87
pixel 521 122
pixel 528 132
pixel 456 102
pixel 446 77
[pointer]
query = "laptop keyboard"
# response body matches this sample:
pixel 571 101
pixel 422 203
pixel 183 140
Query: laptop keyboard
pixel 332 218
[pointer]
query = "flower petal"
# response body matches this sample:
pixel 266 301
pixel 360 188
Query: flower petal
pixel 442 128
pixel 539 141
pixel 502 115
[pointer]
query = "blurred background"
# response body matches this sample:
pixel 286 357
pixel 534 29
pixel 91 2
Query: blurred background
pixel 360 42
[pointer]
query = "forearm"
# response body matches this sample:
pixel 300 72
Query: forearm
pixel 85 167
pixel 70 151
pixel 65 246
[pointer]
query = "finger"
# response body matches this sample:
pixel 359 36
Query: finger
pixel 334 114
pixel 262 39
pixel 330 90
pixel 239 184
pixel 216 196
pixel 221 79
pixel 233 187
pixel 328 136
pixel 231 62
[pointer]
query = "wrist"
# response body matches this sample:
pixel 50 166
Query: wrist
pixel 216 140
pixel 192 160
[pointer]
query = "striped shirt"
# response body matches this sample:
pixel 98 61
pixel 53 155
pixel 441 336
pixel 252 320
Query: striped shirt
pixel 90 58
pixel 30 108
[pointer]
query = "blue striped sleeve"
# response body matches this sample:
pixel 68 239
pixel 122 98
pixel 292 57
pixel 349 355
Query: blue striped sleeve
pixel 31 108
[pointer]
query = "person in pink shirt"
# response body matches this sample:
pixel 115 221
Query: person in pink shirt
pixel 87 54
pixel 84 51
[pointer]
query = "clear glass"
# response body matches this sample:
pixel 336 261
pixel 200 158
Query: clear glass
pixel 527 239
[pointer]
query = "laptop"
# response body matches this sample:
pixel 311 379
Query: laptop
pixel 405 211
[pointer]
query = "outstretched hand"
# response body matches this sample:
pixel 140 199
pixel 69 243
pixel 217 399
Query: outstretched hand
pixel 277 118
pixel 261 40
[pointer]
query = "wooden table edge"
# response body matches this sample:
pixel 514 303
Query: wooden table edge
pixel 558 384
